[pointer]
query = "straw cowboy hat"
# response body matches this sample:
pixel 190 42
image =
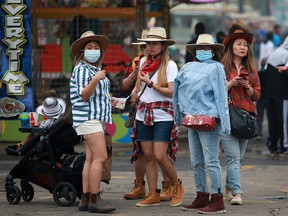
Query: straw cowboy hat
pixel 238 34
pixel 87 37
pixel 52 107
pixel 158 34
pixel 143 36
pixel 205 40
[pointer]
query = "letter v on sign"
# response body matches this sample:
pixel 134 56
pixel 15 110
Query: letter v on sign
pixel 10 8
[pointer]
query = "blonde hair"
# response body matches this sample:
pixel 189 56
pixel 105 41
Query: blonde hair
pixel 162 74
pixel 80 56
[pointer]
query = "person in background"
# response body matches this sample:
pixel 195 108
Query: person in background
pixel 284 70
pixel 266 48
pixel 276 36
pixel 259 35
pixel 200 89
pixel 220 35
pixel 277 93
pixel 131 74
pixel 91 108
pixel 243 92
pixel 155 131
pixel 138 191
pixel 78 26
pixel 261 103
pixel 199 29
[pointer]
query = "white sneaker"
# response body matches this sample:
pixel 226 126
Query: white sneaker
pixel 229 196
pixel 236 201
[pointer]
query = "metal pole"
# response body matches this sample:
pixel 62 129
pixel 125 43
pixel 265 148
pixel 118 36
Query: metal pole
pixel 140 11
pixel 268 7
pixel 240 6
pixel 166 17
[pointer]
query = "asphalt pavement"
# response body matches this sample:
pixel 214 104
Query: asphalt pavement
pixel 264 181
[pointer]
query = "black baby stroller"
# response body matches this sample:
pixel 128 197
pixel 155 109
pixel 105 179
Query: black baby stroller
pixel 41 164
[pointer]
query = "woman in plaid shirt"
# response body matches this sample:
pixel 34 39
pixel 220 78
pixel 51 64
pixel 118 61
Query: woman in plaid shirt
pixel 243 91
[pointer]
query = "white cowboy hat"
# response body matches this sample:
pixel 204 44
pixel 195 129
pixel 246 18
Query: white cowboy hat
pixel 51 107
pixel 205 40
pixel 87 37
pixel 158 34
pixel 143 36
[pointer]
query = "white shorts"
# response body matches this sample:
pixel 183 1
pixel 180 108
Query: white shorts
pixel 89 127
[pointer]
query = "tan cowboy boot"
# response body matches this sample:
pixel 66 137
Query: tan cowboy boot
pixel 138 192
pixel 166 192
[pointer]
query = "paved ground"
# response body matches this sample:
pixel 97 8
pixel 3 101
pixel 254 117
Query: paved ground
pixel 264 180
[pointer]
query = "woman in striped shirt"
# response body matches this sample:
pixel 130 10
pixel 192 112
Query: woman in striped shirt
pixel 91 107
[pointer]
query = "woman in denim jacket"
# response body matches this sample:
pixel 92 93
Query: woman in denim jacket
pixel 200 89
pixel 243 92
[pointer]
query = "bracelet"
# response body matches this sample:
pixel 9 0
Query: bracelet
pixel 150 85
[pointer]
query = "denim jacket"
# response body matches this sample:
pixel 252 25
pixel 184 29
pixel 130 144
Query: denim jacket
pixel 200 88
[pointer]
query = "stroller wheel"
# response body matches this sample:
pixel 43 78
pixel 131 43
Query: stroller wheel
pixel 64 194
pixel 13 194
pixel 27 191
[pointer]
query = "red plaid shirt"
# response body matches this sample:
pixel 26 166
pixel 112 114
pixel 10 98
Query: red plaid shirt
pixel 239 96
pixel 167 106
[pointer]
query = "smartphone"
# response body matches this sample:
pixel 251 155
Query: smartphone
pixel 243 74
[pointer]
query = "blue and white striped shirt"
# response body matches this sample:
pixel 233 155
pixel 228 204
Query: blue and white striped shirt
pixel 99 104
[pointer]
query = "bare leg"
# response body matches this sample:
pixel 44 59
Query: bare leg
pixel 164 175
pixel 166 165
pixel 150 164
pixel 139 168
pixel 96 155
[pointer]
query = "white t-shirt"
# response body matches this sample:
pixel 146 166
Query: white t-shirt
pixel 150 95
pixel 265 51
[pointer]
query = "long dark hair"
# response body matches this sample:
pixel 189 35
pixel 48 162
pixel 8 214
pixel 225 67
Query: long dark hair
pixel 247 61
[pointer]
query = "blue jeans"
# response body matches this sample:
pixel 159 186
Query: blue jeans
pixel 204 152
pixel 234 150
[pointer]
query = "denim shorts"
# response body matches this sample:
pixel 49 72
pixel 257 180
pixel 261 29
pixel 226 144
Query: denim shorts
pixel 159 132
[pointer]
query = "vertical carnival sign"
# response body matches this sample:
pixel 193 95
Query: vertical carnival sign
pixel 16 93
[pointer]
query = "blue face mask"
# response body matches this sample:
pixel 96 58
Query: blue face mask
pixel 203 55
pixel 92 55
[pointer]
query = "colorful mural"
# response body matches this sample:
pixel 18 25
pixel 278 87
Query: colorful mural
pixel 9 130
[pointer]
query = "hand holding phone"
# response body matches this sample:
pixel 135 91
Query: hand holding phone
pixel 243 74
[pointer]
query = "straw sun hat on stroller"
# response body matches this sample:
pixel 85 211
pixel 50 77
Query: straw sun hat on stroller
pixel 87 37
pixel 158 34
pixel 51 107
pixel 205 40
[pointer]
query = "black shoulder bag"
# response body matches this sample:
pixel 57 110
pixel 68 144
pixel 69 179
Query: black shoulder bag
pixel 243 123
